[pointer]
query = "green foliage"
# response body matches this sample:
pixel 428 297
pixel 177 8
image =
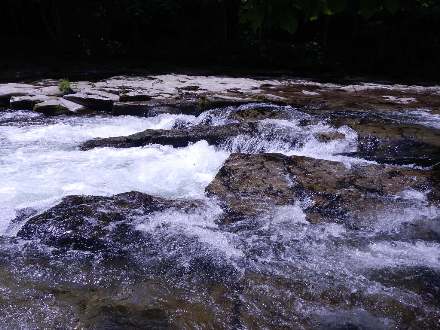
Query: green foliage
pixel 261 14
pixel 115 29
pixel 287 15
pixel 392 6
pixel 65 86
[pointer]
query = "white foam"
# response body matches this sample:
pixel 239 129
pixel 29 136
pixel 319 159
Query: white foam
pixel 73 131
pixel 40 164
pixel 156 170
pixel 400 100
pixel 199 224
pixel 392 220
pixel 18 114
pixel 422 117
pixel 290 223
pixel 414 195
pixel 394 254
pixel 288 137
pixel 306 92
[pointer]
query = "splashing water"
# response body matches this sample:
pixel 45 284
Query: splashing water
pixel 297 135
pixel 41 163
pixel 281 264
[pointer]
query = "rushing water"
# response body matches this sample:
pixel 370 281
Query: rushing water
pixel 40 162
pixel 275 271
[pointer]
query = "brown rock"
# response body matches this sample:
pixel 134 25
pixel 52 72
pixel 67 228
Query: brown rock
pixel 259 113
pixel 330 136
pixel 250 184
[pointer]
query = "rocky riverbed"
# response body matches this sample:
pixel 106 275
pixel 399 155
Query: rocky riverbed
pixel 179 201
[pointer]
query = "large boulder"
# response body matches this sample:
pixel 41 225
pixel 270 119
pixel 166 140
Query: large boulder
pixel 93 223
pixel 248 185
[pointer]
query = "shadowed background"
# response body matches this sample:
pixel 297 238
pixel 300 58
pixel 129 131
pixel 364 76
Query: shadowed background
pixel 392 38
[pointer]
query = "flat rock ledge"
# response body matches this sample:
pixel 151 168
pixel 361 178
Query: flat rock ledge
pixel 58 106
pixel 141 96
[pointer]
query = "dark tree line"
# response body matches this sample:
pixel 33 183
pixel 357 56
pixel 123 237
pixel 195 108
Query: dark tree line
pixel 363 35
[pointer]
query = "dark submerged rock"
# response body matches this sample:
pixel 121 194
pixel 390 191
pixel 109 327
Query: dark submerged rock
pixel 422 280
pixel 93 223
pixel 214 135
pixel 154 108
pixel 123 316
pixel 386 141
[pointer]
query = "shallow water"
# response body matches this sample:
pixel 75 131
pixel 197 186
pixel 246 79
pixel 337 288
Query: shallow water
pixel 274 271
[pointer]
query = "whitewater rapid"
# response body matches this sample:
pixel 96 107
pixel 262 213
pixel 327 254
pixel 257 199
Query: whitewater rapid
pixel 40 162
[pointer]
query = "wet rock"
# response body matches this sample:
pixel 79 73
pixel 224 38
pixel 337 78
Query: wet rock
pixel 204 92
pixel 188 105
pixel 386 141
pixel 100 101
pixel 94 223
pixel 325 137
pixel 257 113
pixel 250 184
pixel 154 108
pixel 123 316
pixel 320 98
pixel 58 106
pixel 421 280
pixel 177 138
